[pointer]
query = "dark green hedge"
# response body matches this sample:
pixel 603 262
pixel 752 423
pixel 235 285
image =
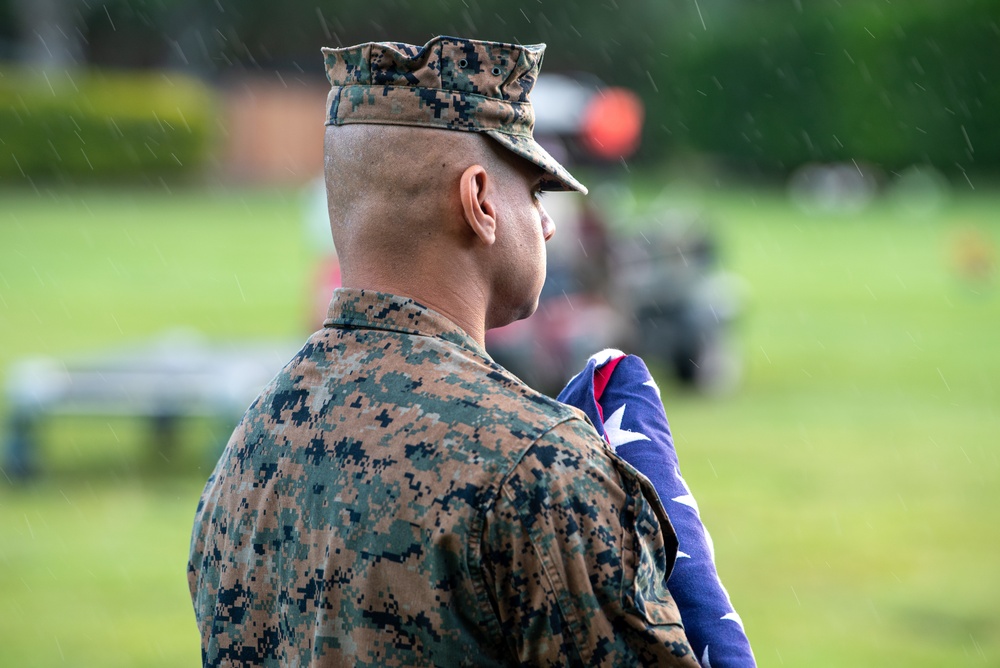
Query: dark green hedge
pixel 85 124
pixel 892 84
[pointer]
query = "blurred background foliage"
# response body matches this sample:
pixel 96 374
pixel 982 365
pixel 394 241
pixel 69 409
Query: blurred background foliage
pixel 106 125
pixel 759 86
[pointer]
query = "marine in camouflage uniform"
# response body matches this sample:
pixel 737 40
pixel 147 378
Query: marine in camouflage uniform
pixel 396 498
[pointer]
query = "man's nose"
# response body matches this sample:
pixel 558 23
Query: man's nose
pixel 548 226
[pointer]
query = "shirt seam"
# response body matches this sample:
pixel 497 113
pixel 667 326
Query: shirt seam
pixel 559 592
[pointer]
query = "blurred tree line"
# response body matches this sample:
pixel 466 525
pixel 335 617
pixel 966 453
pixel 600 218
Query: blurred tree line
pixel 763 85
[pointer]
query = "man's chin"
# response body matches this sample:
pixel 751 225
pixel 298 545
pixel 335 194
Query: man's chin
pixel 529 310
pixel 513 315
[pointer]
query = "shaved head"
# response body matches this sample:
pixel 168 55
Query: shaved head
pixel 389 187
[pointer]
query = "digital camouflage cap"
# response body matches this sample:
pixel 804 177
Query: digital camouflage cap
pixel 449 83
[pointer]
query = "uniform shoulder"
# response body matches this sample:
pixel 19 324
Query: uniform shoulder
pixel 512 392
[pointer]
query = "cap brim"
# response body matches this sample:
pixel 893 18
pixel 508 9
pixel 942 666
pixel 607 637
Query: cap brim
pixel 530 150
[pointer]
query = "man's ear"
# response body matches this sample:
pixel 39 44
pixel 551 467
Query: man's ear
pixel 479 213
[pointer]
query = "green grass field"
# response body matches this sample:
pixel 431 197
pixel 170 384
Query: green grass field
pixel 851 483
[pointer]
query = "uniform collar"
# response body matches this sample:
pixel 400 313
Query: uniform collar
pixel 368 309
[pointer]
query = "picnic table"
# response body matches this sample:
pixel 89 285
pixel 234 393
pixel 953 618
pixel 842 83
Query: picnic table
pixel 172 376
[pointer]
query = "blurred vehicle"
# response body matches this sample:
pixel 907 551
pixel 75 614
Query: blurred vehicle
pixel 679 301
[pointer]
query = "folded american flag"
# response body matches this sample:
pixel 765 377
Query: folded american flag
pixel 620 397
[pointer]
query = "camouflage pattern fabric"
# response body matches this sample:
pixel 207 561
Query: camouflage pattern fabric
pixel 449 83
pixel 395 498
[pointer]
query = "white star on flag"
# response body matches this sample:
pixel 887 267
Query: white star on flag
pixel 734 617
pixel 601 358
pixel 685 499
pixel 656 388
pixel 618 436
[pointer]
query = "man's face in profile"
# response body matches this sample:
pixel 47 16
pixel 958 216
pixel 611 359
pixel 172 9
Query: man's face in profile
pixel 523 227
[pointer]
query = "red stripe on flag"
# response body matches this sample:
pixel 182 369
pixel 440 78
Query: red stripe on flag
pixel 602 375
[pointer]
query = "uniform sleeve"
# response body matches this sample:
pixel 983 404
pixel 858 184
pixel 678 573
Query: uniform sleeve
pixel 576 553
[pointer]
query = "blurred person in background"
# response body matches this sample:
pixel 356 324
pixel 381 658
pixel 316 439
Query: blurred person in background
pixel 395 497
